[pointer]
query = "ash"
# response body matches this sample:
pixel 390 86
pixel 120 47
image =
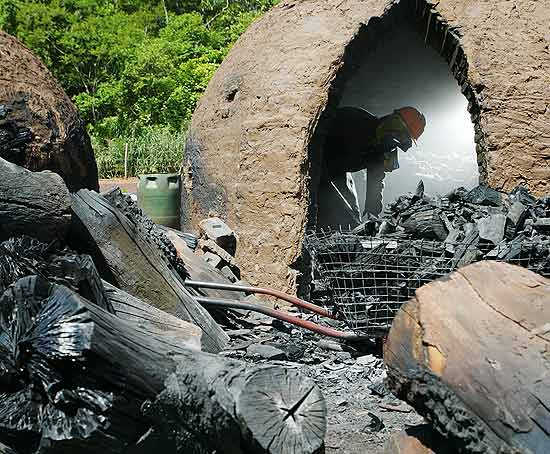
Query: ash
pixel 362 413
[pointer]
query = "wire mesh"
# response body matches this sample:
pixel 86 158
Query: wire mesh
pixel 369 278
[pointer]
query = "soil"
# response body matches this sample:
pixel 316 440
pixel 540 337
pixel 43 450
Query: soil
pixel 362 414
pixel 126 185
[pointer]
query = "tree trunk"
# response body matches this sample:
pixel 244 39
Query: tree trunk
pixel 133 262
pixel 35 204
pixel 470 353
pixel 87 381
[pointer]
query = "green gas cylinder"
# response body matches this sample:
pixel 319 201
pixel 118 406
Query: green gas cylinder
pixel 159 196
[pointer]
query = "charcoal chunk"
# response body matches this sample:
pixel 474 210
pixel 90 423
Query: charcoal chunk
pixel 491 228
pixel 542 224
pixel 420 189
pixel 265 352
pixel 482 195
pixel 521 194
pixel 515 218
pixel 426 224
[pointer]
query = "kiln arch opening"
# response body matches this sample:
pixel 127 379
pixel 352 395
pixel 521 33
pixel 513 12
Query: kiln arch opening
pixel 408 57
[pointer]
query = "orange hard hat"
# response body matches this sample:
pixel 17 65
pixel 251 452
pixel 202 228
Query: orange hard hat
pixel 414 121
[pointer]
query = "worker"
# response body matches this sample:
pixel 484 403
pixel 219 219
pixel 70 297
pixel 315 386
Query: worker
pixel 358 140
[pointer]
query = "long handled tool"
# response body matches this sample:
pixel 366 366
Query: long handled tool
pixel 280 315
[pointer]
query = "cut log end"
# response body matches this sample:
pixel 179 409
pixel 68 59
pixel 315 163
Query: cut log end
pixel 285 413
pixel 468 352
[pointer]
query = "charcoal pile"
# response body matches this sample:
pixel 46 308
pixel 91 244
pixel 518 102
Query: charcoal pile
pixel 475 225
pixel 369 272
pixel 14 138
pixel 40 128
pixel 104 349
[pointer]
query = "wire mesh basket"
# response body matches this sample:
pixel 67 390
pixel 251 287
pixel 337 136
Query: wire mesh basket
pixel 369 278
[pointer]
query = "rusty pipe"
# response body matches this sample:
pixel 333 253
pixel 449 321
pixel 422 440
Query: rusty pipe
pixel 280 315
pixel 264 291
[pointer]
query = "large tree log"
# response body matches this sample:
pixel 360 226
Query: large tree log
pixel 35 204
pixel 76 378
pixel 152 320
pixel 470 353
pixel 128 258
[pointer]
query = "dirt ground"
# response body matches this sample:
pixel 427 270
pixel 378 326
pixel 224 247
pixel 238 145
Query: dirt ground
pixel 128 185
pixel 362 414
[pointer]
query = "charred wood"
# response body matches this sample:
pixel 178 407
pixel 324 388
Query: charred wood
pixel 33 203
pixel 137 264
pixel 79 379
pixel 151 320
pixel 418 440
pixel 25 256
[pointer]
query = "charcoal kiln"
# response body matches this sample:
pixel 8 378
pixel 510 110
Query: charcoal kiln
pixel 254 150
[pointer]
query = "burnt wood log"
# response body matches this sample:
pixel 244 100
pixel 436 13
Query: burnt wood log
pixel 26 256
pixel 37 204
pixel 76 378
pixel 243 410
pixel 147 318
pixel 470 353
pixel 418 440
pixel 136 264
pixel 6 450
pixel 150 231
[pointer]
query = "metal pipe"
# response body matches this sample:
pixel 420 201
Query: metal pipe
pixel 280 315
pixel 264 291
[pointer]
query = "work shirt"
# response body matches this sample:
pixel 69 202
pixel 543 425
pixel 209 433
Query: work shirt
pixel 357 138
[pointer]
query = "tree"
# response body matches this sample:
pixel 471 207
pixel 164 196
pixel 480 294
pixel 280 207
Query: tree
pixel 131 64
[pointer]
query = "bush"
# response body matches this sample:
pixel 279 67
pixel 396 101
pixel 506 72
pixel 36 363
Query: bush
pixel 152 150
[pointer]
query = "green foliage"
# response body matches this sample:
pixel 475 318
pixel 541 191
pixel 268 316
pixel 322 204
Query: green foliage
pixel 161 81
pixel 131 65
pixel 153 150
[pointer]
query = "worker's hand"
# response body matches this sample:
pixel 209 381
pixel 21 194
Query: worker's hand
pixel 388 143
pixel 405 143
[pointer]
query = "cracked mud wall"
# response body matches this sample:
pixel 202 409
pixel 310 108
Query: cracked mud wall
pixel 254 140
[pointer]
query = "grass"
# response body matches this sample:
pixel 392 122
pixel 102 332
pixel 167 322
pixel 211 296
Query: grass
pixel 155 150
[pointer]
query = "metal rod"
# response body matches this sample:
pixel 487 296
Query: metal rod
pixel 428 27
pixel 126 160
pixel 280 315
pixel 264 291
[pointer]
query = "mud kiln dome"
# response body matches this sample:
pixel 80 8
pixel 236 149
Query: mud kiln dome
pixel 255 145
